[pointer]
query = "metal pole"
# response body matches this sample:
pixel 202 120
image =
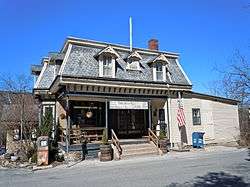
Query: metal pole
pixel 68 123
pixel 130 34
pixel 169 117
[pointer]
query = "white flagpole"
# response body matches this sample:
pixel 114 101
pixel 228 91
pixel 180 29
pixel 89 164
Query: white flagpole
pixel 179 103
pixel 130 33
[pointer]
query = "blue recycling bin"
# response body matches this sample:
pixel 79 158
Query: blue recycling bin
pixel 200 139
pixel 197 139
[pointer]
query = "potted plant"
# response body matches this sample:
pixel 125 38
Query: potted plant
pixel 163 142
pixel 105 148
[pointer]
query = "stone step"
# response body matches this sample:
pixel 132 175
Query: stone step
pixel 138 154
pixel 141 151
pixel 135 150
pixel 133 141
pixel 137 146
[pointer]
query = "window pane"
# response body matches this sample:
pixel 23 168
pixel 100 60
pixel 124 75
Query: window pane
pixel 161 115
pixel 48 110
pixel 107 60
pixel 107 70
pixel 158 67
pixel 107 66
pixel 196 116
pixel 133 65
pixel 159 76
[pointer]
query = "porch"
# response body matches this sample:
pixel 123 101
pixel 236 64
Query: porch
pixel 125 148
pixel 128 120
pixel 87 118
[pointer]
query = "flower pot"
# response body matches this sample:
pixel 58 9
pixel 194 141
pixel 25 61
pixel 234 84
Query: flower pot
pixel 13 158
pixel 163 145
pixel 106 152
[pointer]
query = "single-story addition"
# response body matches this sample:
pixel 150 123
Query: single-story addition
pixel 90 86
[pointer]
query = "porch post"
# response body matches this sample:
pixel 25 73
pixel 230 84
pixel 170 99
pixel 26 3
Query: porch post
pixel 106 114
pixel 169 116
pixel 149 115
pixel 68 123
pixel 168 121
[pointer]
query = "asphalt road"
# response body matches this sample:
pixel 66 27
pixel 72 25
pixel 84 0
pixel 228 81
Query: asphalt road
pixel 221 167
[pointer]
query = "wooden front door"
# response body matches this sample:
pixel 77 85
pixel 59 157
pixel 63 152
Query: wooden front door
pixel 131 123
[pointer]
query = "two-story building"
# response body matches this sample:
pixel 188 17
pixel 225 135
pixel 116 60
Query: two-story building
pixel 90 86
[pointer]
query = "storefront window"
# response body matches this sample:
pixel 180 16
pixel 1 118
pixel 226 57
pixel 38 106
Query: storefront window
pixel 88 114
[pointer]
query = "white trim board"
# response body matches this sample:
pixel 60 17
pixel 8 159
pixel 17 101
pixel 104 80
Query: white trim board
pixel 185 75
pixel 65 59
pixel 41 74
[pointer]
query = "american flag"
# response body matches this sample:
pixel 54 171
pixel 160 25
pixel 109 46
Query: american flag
pixel 180 114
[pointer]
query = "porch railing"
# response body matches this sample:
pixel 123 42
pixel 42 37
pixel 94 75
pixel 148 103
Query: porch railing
pixel 116 142
pixel 152 137
pixel 76 135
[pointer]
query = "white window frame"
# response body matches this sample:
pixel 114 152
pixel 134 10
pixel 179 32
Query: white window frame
pixel 196 116
pixel 163 71
pixel 102 66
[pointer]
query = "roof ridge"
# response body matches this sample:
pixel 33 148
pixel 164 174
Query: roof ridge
pixel 116 45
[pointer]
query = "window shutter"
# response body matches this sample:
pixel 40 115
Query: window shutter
pixel 100 67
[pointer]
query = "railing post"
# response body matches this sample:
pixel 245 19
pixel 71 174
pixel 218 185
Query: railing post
pixel 149 115
pixel 149 135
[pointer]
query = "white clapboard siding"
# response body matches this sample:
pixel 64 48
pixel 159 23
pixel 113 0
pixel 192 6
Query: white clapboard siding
pixel 219 121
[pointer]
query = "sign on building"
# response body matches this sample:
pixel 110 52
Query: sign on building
pixel 139 105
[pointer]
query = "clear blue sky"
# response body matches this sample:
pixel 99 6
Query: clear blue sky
pixel 203 32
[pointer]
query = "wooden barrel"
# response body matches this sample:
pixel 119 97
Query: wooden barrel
pixel 106 152
pixel 163 144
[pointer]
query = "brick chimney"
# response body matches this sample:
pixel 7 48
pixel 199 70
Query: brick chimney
pixel 153 44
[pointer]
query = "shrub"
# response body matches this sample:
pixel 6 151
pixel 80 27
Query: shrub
pixel 162 135
pixel 47 123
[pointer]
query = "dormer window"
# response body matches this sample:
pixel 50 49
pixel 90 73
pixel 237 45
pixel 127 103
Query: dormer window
pixel 159 71
pixel 107 66
pixel 133 61
pixel 107 63
pixel 159 68
pixel 133 65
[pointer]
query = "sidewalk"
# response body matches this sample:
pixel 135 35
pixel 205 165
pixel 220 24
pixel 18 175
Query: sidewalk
pixel 192 154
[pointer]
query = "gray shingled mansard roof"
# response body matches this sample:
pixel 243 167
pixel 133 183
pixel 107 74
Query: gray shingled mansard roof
pixel 47 77
pixel 82 62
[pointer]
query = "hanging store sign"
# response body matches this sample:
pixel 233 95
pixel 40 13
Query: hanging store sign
pixel 128 105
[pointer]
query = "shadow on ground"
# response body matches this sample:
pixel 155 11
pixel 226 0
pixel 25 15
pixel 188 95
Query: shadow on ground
pixel 215 179
pixel 248 159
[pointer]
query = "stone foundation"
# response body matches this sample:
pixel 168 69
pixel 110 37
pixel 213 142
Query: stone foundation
pixel 73 156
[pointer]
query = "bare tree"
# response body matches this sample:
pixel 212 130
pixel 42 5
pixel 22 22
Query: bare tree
pixel 235 79
pixel 16 83
pixel 235 84
pixel 19 108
